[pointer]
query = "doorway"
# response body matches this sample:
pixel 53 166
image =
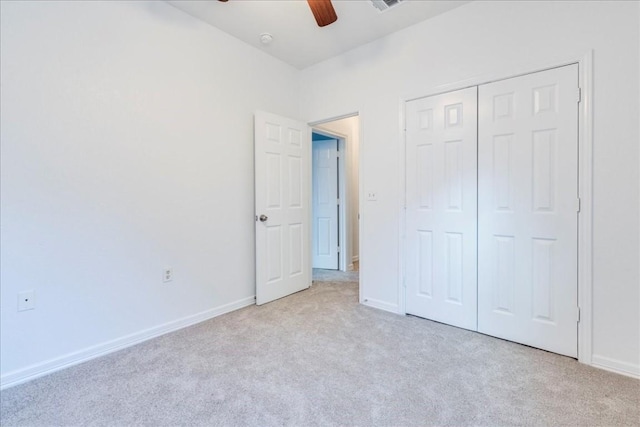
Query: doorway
pixel 327 218
pixel 335 207
pixel 283 196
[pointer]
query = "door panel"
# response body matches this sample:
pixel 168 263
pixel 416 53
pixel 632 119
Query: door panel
pixel 325 204
pixel 527 217
pixel 441 208
pixel 282 175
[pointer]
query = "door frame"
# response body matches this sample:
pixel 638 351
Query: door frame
pixel 585 182
pixel 313 124
pixel 343 225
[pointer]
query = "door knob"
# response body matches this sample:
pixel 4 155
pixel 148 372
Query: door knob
pixel 263 218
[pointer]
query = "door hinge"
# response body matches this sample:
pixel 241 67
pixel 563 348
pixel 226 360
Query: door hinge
pixel 578 314
pixel 337 201
pixel 578 204
pixel 338 250
pixel 579 94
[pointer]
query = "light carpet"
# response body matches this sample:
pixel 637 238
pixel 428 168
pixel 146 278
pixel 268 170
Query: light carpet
pixel 320 275
pixel 318 358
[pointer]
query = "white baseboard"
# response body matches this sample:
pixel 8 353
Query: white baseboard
pixel 20 376
pixel 617 366
pixel 381 305
pixel 355 258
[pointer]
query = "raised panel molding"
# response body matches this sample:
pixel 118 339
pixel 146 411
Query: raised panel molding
pixel 502 172
pixel 324 174
pixel 543 280
pixel 504 277
pixel 503 106
pixel 274 197
pixel 453 115
pixel 295 180
pixel 296 250
pixel 544 170
pixel 425 175
pixel 426 119
pixel 545 99
pixel 295 137
pixel 274 260
pixel 453 174
pixel 455 273
pixel 273 132
pixel 324 229
pixel 425 263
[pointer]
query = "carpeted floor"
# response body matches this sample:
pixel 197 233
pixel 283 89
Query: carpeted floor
pixel 320 275
pixel 318 358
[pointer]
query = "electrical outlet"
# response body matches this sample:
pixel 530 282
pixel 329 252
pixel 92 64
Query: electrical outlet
pixel 372 196
pixel 167 274
pixel 27 300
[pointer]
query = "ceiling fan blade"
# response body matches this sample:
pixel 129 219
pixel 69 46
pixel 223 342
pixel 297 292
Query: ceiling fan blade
pixel 323 11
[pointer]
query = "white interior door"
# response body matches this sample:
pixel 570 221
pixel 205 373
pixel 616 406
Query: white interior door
pixel 527 207
pixel 282 194
pixel 441 159
pixel 325 204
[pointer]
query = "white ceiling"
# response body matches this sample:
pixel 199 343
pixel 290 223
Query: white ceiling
pixel 297 40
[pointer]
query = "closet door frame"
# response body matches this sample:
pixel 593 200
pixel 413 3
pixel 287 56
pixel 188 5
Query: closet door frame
pixel 585 182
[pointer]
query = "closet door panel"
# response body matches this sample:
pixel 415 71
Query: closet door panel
pixel 441 208
pixel 527 216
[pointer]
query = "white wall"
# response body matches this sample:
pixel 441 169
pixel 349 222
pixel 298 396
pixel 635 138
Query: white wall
pixel 350 128
pixel 483 38
pixel 127 146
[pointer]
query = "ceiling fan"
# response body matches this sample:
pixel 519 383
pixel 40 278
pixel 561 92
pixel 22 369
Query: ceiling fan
pixel 322 10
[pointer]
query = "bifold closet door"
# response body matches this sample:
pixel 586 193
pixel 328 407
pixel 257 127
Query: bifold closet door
pixel 441 165
pixel 527 209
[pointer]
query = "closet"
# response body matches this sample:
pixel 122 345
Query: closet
pixel 492 208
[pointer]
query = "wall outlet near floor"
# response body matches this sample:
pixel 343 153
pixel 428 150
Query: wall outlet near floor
pixel 167 274
pixel 372 196
pixel 26 300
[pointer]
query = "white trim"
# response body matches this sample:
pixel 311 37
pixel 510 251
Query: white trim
pixel 585 180
pixel 617 366
pixel 23 375
pixel 344 223
pixel 333 119
pixel 585 217
pixel 362 281
pixel 380 305
pixel 344 195
pixel 402 212
pixel 361 142
pixel 496 76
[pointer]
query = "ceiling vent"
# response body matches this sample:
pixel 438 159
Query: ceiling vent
pixel 383 5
